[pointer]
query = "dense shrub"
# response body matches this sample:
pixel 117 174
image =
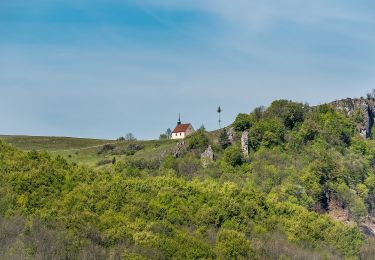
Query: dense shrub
pixel 232 244
pixel 106 148
pixel 233 156
pixel 132 148
pixel 224 141
pixel 103 162
pixel 198 141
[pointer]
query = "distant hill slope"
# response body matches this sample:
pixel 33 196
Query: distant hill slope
pixel 91 152
pixel 50 143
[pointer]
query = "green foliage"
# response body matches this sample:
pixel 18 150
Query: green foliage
pixel 310 130
pixel 291 113
pixel 121 139
pixel 223 139
pixel 232 244
pixel 329 125
pixel 156 206
pixel 167 135
pixel 268 132
pixel 103 162
pixel 106 148
pixel 372 135
pixel 242 122
pixel 164 215
pixel 349 199
pixel 198 140
pixel 51 143
pixel 358 116
pixel 233 156
pixel 130 137
pixel 163 137
pixel 257 114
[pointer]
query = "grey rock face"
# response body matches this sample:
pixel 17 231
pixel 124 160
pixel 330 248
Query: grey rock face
pixel 179 150
pixel 245 143
pixel 207 156
pixel 362 108
pixel 231 135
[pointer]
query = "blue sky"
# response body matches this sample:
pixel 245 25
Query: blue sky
pixel 95 68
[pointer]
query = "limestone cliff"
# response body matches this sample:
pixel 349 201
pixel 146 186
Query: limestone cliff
pixel 363 111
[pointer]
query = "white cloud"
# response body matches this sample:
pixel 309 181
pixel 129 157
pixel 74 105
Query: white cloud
pixel 256 13
pixel 245 26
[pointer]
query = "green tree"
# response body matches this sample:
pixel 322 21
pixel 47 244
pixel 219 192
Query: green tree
pixel 169 133
pixel 268 132
pixel 291 113
pixel 242 122
pixel 233 156
pixel 163 137
pixel 130 137
pixel 257 114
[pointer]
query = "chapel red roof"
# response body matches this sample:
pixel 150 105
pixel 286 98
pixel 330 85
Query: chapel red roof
pixel 181 128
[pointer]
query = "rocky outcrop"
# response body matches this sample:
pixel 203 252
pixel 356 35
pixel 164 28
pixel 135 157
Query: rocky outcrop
pixel 363 111
pixel 231 133
pixel 338 212
pixel 245 143
pixel 368 227
pixel 179 150
pixel 207 156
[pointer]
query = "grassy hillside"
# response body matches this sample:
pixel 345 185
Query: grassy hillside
pixel 46 143
pixel 90 151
